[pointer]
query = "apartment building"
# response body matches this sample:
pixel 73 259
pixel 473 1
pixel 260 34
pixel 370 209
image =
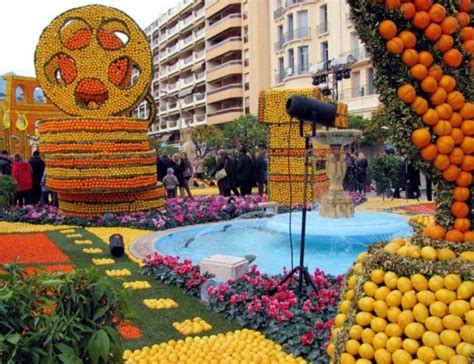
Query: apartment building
pixel 305 34
pixel 202 73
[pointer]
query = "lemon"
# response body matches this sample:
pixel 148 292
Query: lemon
pixel 446 254
pixel 352 347
pixel 434 324
pixel 469 317
pixel 367 336
pixel 419 282
pixel 459 307
pixel 403 251
pixel 404 284
pixel 452 322
pixel 339 320
pixel 350 294
pixel 465 349
pixel 366 351
pixel 370 288
pixel 380 340
pixel 458 359
pixel 426 297
pixel 347 358
pixel 357 268
pixel 345 306
pixel 452 281
pixel 390 280
pixel 399 240
pixel 409 300
pixel 352 281
pixel 393 330
pixel 377 276
pixel 438 309
pixel 445 295
pixel 444 352
pixel 363 318
pixel 435 283
pixel 410 345
pixel 467 256
pixel 428 253
pixel 380 308
pixel 405 318
pixel 331 349
pixel 450 338
pixel 414 330
pixel 363 361
pixel 382 356
pixel 394 298
pixel 381 293
pixel 465 290
pixel 355 331
pixel 467 333
pixel 378 324
pixel 393 344
pixel 362 257
pixel 366 304
pixel 426 354
pixel 392 314
pixel 400 356
pixel 420 312
pixel 414 252
pixel 430 339
pixel 392 248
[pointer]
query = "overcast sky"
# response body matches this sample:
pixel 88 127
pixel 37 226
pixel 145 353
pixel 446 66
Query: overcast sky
pixel 22 21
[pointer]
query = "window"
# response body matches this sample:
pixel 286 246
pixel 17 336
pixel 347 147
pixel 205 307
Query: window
pixel 289 25
pixel 246 81
pixel 3 87
pixel 245 10
pixel 20 94
pixel 291 62
pixel 303 59
pixel 247 105
pixel 246 34
pixel 281 70
pixel 280 37
pixel 357 91
pixel 324 52
pixel 370 81
pixel 323 19
pixel 38 96
pixel 246 57
pixel 303 29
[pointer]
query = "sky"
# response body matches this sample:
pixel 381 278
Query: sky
pixel 22 22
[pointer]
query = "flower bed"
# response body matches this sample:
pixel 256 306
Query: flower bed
pixel 303 327
pixel 177 212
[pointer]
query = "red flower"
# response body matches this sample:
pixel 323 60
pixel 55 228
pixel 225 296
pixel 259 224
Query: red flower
pixel 307 339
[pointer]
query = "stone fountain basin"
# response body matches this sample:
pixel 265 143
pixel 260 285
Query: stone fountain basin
pixel 337 136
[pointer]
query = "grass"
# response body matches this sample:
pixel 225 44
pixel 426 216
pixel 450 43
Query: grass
pixel 154 324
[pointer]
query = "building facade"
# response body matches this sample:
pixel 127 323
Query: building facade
pixel 212 58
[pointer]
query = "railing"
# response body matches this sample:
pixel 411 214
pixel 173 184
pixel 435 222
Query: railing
pixel 278 13
pixel 199 33
pixel 200 96
pixel 188 100
pixel 188 39
pixel 173 67
pixel 199 54
pixel 156 59
pixel 230 16
pixel 358 53
pixel 188 80
pixel 223 88
pixel 173 49
pixel 231 39
pixel 226 110
pixel 357 91
pixel 163 72
pixel 187 121
pixel 289 3
pixel 162 37
pixel 200 76
pixel 279 45
pixel 187 60
pixel 162 108
pixel 303 70
pixel 173 30
pixel 222 65
pixel 172 86
pixel 304 32
pixel 172 123
pixel 279 77
pixel 199 13
pixel 156 75
pixel 323 28
pixel 172 105
pixel 201 118
pixel 155 42
pixel 288 36
pixel 188 20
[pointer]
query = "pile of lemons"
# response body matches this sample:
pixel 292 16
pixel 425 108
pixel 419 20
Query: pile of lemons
pixel 103 261
pixel 159 304
pixel 240 347
pixel 403 247
pixel 92 250
pixel 118 272
pixel 423 220
pixel 410 320
pixel 136 285
pixel 83 242
pixel 194 326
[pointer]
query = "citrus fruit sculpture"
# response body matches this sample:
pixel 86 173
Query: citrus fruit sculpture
pixel 98 160
pixel 411 300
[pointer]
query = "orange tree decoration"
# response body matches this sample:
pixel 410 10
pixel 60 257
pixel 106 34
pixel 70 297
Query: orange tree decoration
pixel 99 161
pixel 412 300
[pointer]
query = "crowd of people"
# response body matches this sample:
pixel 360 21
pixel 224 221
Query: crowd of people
pixel 356 178
pixel 30 178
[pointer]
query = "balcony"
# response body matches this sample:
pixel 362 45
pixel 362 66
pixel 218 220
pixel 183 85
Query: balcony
pixel 230 21
pixel 199 14
pixel 200 76
pixel 223 47
pixel 199 35
pixel 187 41
pixel 188 101
pixel 224 115
pixel 199 118
pixel 215 7
pixel 232 91
pixel 173 49
pixel 288 36
pixel 199 98
pixel 186 82
pixel 187 121
pixel 222 70
pixel 301 33
pixel 172 106
pixel 172 124
pixel 199 55
pixel 187 21
pixel 162 37
pixel 323 28
pixel 289 3
pixel 186 62
pixel 173 31
pixel 359 54
pixel 173 68
pixel 163 72
pixel 278 13
pixel 163 108
pixel 156 59
pixel 279 45
pixel 173 86
pixel 155 43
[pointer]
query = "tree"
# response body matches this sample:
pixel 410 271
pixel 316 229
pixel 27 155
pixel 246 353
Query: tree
pixel 206 138
pixel 161 147
pixel 385 171
pixel 374 130
pixel 246 131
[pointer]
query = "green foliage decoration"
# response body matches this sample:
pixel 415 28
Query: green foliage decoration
pixel 385 171
pixel 7 191
pixel 206 138
pixel 246 131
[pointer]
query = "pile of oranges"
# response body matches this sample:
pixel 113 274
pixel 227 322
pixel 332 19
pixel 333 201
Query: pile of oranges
pixel 285 142
pixel 447 140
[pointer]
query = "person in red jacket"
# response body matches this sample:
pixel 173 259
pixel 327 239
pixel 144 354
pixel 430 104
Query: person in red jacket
pixel 22 173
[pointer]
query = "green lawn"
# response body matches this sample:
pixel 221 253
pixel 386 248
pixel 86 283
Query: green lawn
pixel 155 324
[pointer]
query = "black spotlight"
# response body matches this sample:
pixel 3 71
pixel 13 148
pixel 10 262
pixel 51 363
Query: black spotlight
pixel 311 110
pixel 347 73
pixel 323 78
pixel 316 81
pixel 326 91
pixel 117 247
pixel 338 75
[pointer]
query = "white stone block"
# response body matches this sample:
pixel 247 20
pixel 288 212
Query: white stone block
pixel 269 207
pixel 224 266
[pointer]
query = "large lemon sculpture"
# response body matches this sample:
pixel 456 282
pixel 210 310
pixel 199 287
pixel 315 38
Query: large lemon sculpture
pixel 94 63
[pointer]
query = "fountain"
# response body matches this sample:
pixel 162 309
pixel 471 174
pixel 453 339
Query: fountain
pixel 335 203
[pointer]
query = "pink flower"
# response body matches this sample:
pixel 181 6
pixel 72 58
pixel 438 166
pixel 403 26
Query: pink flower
pixel 307 339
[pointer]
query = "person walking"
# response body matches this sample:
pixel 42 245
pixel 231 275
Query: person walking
pixel 46 193
pixel 245 172
pixel 23 175
pixel 413 182
pixel 178 167
pixel 224 173
pixel 261 172
pixel 38 166
pixel 188 173
pixel 162 166
pixel 361 173
pixel 171 183
pixel 5 164
pixel 199 168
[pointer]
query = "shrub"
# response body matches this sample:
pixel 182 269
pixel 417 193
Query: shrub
pixel 60 318
pixel 7 191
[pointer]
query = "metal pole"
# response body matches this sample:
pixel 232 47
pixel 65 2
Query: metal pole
pixel 303 218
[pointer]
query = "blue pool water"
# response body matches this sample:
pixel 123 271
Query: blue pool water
pixel 331 244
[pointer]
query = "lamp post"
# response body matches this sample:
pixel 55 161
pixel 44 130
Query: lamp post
pixel 331 72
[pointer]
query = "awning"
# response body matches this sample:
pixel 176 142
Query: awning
pixel 166 137
pixel 197 66
pixel 186 91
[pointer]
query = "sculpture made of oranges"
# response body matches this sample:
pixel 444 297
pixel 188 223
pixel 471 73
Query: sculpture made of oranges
pixel 98 160
pixel 412 300
pixel 286 148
